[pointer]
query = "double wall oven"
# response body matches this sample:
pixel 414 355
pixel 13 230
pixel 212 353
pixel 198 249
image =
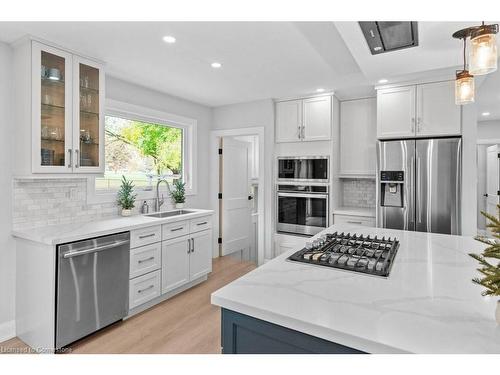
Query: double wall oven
pixel 302 196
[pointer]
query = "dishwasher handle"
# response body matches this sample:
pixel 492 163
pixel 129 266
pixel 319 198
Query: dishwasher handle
pixel 95 249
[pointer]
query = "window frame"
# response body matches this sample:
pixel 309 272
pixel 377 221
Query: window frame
pixel 189 146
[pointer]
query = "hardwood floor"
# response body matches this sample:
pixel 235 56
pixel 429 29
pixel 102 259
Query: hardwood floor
pixel 186 323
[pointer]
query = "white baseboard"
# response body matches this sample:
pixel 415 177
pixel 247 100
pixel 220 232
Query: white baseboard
pixel 7 330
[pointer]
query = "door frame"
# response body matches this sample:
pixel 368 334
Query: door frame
pixel 214 184
pixel 489 142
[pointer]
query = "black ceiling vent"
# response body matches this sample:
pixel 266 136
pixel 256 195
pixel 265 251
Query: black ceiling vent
pixel 389 36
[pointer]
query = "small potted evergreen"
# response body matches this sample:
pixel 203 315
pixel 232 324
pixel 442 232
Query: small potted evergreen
pixel 126 197
pixel 490 270
pixel 178 194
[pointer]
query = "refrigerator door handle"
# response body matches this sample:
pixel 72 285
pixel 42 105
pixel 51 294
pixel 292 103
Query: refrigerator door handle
pixel 419 191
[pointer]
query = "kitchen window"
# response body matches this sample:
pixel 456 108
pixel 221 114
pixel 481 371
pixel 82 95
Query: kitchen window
pixel 143 145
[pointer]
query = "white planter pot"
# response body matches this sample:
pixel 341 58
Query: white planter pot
pixel 126 212
pixel 179 205
pixel 497 312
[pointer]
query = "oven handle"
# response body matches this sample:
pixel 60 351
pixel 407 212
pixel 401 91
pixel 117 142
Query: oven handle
pixel 295 195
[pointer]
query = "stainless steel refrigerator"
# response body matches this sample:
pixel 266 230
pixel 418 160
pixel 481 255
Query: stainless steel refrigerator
pixel 419 185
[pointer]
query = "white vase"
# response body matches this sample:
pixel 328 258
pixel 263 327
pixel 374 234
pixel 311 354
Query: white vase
pixel 126 212
pixel 179 205
pixel 497 312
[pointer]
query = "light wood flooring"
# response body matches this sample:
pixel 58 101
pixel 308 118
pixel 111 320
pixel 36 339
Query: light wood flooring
pixel 186 323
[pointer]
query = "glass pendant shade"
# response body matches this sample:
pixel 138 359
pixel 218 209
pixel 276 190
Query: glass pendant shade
pixel 483 52
pixel 464 88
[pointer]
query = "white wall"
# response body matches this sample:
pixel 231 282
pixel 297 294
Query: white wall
pixel 254 114
pixel 488 130
pixel 117 89
pixel 7 250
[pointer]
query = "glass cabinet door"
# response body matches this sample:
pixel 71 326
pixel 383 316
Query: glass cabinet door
pixel 52 110
pixel 89 130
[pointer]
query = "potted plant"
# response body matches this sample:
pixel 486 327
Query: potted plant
pixel 126 197
pixel 178 194
pixel 490 270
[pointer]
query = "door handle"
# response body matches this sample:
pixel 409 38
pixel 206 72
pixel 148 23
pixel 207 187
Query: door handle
pixel 95 249
pixel 147 235
pixel 354 222
pixel 192 244
pixel 70 152
pixel 299 133
pixel 419 192
pixel 203 223
pixel 143 290
pixel 413 124
pixel 189 245
pixel 176 229
pixel 76 159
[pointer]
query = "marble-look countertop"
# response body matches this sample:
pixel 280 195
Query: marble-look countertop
pixel 428 304
pixel 355 211
pixel 58 234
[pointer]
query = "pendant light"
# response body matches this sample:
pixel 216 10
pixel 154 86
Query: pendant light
pixel 464 84
pixel 483 50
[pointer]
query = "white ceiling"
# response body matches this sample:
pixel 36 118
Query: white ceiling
pixel 488 97
pixel 260 59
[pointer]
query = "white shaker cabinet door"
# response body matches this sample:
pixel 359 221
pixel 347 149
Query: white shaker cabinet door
pixel 317 119
pixel 200 259
pixel 396 112
pixel 288 121
pixel 175 263
pixel 437 113
pixel 358 137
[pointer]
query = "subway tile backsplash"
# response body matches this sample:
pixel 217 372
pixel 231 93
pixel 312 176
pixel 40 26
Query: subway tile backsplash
pixel 358 192
pixel 42 202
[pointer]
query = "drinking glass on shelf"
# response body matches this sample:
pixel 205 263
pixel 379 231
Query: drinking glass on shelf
pixel 86 82
pixel 46 99
pixel 89 102
pixel 45 131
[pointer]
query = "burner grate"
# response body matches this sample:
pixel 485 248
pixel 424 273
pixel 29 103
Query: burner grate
pixel 358 253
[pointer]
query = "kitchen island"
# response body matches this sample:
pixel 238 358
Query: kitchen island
pixel 427 304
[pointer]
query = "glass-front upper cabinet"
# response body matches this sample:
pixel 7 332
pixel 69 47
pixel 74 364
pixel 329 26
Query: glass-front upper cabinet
pixel 67 112
pixel 52 109
pixel 88 138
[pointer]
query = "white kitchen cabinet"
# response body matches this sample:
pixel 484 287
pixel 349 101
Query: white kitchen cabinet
pixel 396 112
pixel 317 118
pixel 289 121
pixel 352 219
pixel 285 242
pixel 200 258
pixel 437 113
pixel 175 263
pixel 307 119
pixel 59 110
pixel 358 137
pixel 422 110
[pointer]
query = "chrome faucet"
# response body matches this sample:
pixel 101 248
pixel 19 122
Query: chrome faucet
pixel 158 201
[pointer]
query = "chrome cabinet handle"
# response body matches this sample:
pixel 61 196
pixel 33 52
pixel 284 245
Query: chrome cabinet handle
pixel 303 131
pixel 413 124
pixel 419 193
pixel 189 245
pixel 203 223
pixel 145 260
pixel 192 244
pixel 354 222
pixel 419 123
pixel 143 290
pixel 299 134
pixel 95 249
pixel 70 152
pixel 76 159
pixel 147 235
pixel 176 229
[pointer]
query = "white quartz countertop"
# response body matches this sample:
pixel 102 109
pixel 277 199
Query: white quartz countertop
pixel 428 304
pixel 355 211
pixel 58 234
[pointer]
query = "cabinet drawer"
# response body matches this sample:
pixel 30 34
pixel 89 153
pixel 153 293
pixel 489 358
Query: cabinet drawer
pixel 199 224
pixel 145 236
pixel 357 220
pixel 144 288
pixel 145 259
pixel 173 230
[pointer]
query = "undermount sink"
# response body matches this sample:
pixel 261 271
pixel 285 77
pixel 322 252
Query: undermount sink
pixel 170 213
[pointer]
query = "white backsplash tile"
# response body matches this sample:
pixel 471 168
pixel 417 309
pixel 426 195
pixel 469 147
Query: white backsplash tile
pixel 42 202
pixel 358 192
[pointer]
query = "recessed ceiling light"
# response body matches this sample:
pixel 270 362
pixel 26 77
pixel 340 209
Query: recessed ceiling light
pixel 383 80
pixel 169 39
pixel 320 90
pixel 485 114
pixel 216 65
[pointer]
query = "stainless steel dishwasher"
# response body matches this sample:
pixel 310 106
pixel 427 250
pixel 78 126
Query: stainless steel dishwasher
pixel 92 286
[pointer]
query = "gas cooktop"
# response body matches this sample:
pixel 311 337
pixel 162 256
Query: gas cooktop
pixel 357 253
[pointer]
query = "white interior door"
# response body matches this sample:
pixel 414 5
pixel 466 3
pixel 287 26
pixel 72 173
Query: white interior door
pixel 492 180
pixel 235 190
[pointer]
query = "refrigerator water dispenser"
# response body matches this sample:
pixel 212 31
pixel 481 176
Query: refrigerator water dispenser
pixel 392 183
